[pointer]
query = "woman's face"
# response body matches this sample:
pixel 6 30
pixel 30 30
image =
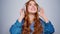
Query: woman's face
pixel 32 8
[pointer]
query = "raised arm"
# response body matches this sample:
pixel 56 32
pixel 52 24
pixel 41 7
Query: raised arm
pixel 16 28
pixel 48 27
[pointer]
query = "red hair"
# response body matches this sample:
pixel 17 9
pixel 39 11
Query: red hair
pixel 38 29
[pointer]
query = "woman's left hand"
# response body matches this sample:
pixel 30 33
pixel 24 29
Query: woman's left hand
pixel 41 14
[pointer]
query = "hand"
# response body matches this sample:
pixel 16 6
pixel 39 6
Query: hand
pixel 41 14
pixel 22 15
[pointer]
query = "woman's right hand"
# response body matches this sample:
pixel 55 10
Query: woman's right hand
pixel 22 15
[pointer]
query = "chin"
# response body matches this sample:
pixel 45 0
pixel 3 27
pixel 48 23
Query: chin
pixel 32 12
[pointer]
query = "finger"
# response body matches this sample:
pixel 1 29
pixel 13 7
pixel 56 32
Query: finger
pixel 20 10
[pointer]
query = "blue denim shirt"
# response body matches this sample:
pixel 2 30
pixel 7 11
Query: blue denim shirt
pixel 16 28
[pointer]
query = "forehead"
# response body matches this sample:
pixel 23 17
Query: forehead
pixel 31 2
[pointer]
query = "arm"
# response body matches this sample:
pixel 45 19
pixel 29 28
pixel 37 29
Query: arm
pixel 16 28
pixel 48 27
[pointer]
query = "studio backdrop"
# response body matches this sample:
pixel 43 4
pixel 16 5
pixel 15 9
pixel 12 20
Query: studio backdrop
pixel 9 13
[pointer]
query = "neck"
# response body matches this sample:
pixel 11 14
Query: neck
pixel 31 17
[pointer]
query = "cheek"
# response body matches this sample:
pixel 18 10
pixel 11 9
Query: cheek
pixel 35 8
pixel 29 8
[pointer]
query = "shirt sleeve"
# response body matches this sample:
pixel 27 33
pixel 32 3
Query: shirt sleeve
pixel 48 27
pixel 16 28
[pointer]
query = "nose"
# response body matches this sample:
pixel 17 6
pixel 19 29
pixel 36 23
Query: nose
pixel 32 6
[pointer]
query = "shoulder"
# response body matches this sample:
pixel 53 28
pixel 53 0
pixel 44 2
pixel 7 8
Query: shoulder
pixel 41 20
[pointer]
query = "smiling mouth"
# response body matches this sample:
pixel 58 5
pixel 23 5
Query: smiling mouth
pixel 33 9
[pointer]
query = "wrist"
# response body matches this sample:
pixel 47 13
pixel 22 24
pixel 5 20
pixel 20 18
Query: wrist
pixel 20 19
pixel 45 18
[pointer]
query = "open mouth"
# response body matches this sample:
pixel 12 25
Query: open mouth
pixel 33 9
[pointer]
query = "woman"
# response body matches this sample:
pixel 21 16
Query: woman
pixel 30 22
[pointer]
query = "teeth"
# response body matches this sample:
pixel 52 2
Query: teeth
pixel 32 9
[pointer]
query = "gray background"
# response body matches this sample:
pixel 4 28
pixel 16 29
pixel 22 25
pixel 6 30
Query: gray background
pixel 9 12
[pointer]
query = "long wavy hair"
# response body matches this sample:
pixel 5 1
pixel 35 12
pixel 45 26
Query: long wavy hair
pixel 38 29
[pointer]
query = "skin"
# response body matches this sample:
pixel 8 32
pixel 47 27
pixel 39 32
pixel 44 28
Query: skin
pixel 32 9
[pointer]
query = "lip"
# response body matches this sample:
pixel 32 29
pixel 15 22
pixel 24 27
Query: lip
pixel 32 9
